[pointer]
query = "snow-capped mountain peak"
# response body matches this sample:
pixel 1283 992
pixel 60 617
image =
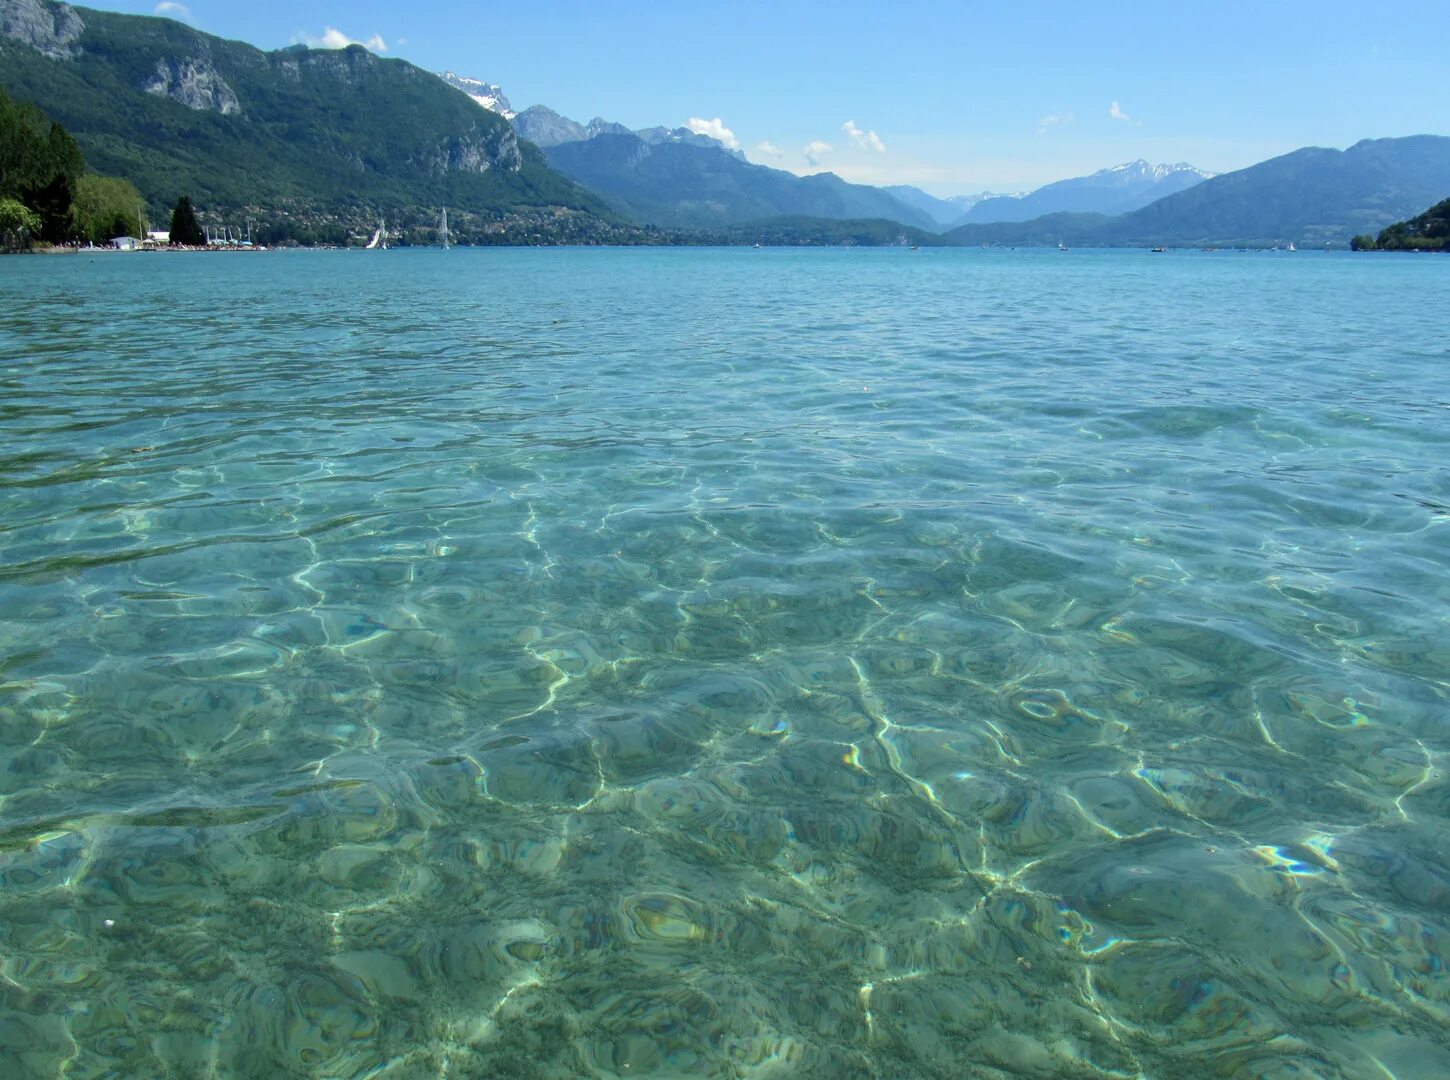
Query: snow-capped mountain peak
pixel 488 95
pixel 1142 170
pixel 966 202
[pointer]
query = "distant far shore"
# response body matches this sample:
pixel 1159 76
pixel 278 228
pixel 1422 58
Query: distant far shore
pixel 168 249
pixel 65 249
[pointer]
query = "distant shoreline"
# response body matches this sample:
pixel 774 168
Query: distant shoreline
pixel 999 248
pixel 168 250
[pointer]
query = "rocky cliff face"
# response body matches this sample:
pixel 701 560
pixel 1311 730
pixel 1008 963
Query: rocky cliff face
pixel 542 126
pixel 474 152
pixel 600 126
pixel 346 66
pixel 52 31
pixel 193 83
pixel 686 136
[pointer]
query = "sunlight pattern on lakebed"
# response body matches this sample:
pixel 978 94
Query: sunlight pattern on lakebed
pixel 724 663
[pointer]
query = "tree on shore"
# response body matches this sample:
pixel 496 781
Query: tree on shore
pixel 18 225
pixel 39 166
pixel 184 227
pixel 52 197
pixel 106 207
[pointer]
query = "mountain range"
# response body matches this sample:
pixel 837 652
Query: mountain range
pixel 1312 196
pixel 685 190
pixel 545 128
pixel 1118 190
pixel 679 178
pixel 947 212
pixel 683 185
pixel 319 143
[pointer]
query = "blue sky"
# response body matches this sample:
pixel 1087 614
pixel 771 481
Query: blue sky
pixel 960 96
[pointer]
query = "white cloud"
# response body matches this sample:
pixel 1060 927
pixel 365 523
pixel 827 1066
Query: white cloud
pixel 1049 122
pixel 716 129
pixel 173 10
pixel 866 140
pixel 1117 113
pixel 815 150
pixel 333 38
pixel 769 149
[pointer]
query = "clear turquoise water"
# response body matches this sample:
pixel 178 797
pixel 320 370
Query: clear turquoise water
pixel 724 663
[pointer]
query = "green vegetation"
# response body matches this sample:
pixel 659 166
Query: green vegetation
pixel 106 207
pixel 184 226
pixel 18 223
pixel 45 192
pixel 40 165
pixel 1429 231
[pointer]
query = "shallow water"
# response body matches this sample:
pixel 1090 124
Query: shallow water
pixel 724 663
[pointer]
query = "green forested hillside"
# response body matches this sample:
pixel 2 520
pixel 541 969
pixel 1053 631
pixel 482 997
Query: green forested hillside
pixel 313 141
pixel 1429 231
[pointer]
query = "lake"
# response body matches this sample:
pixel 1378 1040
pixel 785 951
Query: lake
pixel 729 663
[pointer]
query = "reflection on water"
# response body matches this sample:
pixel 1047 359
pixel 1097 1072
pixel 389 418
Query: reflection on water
pixel 723 663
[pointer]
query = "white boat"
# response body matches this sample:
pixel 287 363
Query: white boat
pixel 1061 246
pixel 443 231
pixel 1292 247
pixel 380 238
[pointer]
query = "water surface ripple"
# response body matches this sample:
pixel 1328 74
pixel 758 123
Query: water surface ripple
pixel 724 663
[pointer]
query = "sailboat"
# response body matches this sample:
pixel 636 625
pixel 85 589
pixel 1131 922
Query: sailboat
pixel 443 230
pixel 380 238
pixel 1292 247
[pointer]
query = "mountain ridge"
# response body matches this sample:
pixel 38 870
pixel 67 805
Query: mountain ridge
pixel 710 194
pixel 1117 189
pixel 1114 189
pixel 312 139
pixel 488 95
pixel 946 212
pixel 1310 196
pixel 682 185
